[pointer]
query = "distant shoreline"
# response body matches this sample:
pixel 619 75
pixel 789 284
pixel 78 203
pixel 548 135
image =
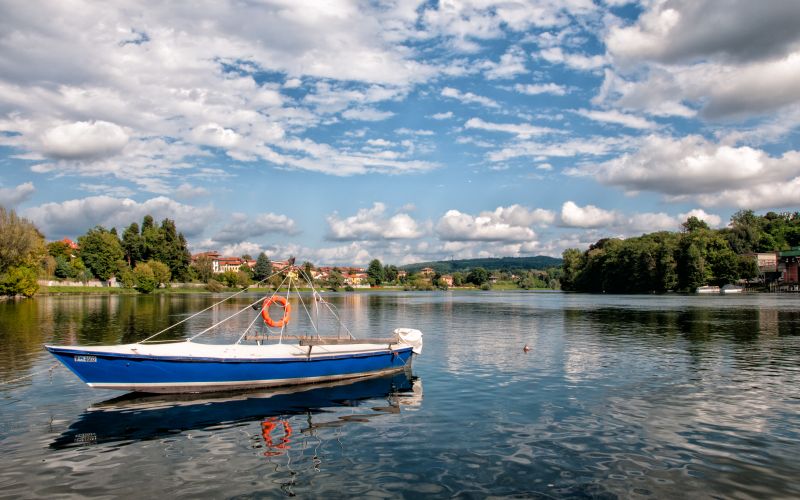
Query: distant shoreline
pixel 91 290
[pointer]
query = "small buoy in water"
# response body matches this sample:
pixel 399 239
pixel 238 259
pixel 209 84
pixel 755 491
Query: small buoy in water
pixel 526 348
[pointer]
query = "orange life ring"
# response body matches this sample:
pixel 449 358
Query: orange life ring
pixel 287 311
pixel 267 426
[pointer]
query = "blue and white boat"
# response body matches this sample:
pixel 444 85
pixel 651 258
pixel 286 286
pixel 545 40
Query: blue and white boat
pixel 279 360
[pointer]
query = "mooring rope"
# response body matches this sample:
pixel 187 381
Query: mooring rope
pixel 50 368
pixel 211 307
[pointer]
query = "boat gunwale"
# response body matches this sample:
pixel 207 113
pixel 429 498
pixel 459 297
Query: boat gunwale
pixel 203 359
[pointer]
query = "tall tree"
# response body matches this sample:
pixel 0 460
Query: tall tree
pixel 204 268
pixel 173 250
pixel 132 244
pixel 152 240
pixel 375 272
pixel 263 267
pixel 572 258
pixel 101 251
pixel 21 244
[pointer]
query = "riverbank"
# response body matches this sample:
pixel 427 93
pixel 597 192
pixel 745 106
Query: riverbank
pixel 93 290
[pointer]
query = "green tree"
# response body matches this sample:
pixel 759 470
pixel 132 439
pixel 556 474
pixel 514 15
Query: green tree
pixel 21 244
pixel 127 278
pixel 59 249
pixel 144 278
pixel 229 278
pixel 745 233
pixel 174 251
pixel 573 264
pixel 132 244
pixel 478 276
pixel 263 267
pixel 18 280
pixel 152 240
pixel 78 271
pixel 161 272
pixel 308 269
pixel 204 268
pixel 390 273
pixel 693 224
pixel 375 272
pixel 692 268
pixel 62 270
pixel 244 268
pixel 100 250
pixel 335 280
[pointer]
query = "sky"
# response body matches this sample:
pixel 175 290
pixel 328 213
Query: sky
pixel 343 131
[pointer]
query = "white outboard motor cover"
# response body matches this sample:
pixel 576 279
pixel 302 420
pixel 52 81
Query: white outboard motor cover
pixel 412 337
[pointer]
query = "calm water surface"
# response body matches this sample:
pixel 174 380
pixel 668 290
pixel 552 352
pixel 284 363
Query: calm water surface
pixel 620 396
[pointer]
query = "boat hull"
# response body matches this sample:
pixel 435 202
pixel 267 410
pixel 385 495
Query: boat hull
pixel 181 374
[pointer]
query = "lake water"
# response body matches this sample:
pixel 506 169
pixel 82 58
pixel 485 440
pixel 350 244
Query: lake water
pixel 619 396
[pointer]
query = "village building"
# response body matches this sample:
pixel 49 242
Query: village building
pixel 788 266
pixel 356 280
pixel 71 244
pixel 447 279
pixel 427 272
pixel 220 264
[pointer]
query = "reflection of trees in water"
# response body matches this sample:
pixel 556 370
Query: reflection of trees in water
pixel 741 335
pixel 22 332
pixel 692 324
pixel 86 319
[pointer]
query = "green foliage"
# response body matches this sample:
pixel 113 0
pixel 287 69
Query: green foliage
pixel 503 263
pixel 229 278
pixel 161 272
pixel 532 280
pixel 100 250
pixel 375 272
pixel 21 244
pixel 334 281
pixel 349 288
pixel 659 262
pixel 18 280
pixel 127 278
pixel 263 267
pixel 59 249
pixel 214 286
pixel 693 224
pixel 486 286
pixel 573 265
pixel 78 271
pixel 478 276
pixel 203 268
pixel 390 274
pixel 416 282
pixel 144 278
pixel 132 244
pixel 62 270
pixel 244 268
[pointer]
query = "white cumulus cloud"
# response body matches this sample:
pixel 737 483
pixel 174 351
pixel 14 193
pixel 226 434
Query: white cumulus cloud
pixel 11 197
pixel 75 217
pixel 509 224
pixel 83 140
pixel 373 224
pixel 588 216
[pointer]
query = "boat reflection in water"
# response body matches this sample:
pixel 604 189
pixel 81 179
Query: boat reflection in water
pixel 131 418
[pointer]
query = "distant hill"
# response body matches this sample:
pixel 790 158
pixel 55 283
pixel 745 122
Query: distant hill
pixel 499 264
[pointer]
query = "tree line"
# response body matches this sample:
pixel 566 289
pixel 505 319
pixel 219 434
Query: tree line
pixel 669 261
pixel 142 258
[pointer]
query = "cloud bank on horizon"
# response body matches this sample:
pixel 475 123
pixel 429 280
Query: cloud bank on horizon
pixel 401 130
